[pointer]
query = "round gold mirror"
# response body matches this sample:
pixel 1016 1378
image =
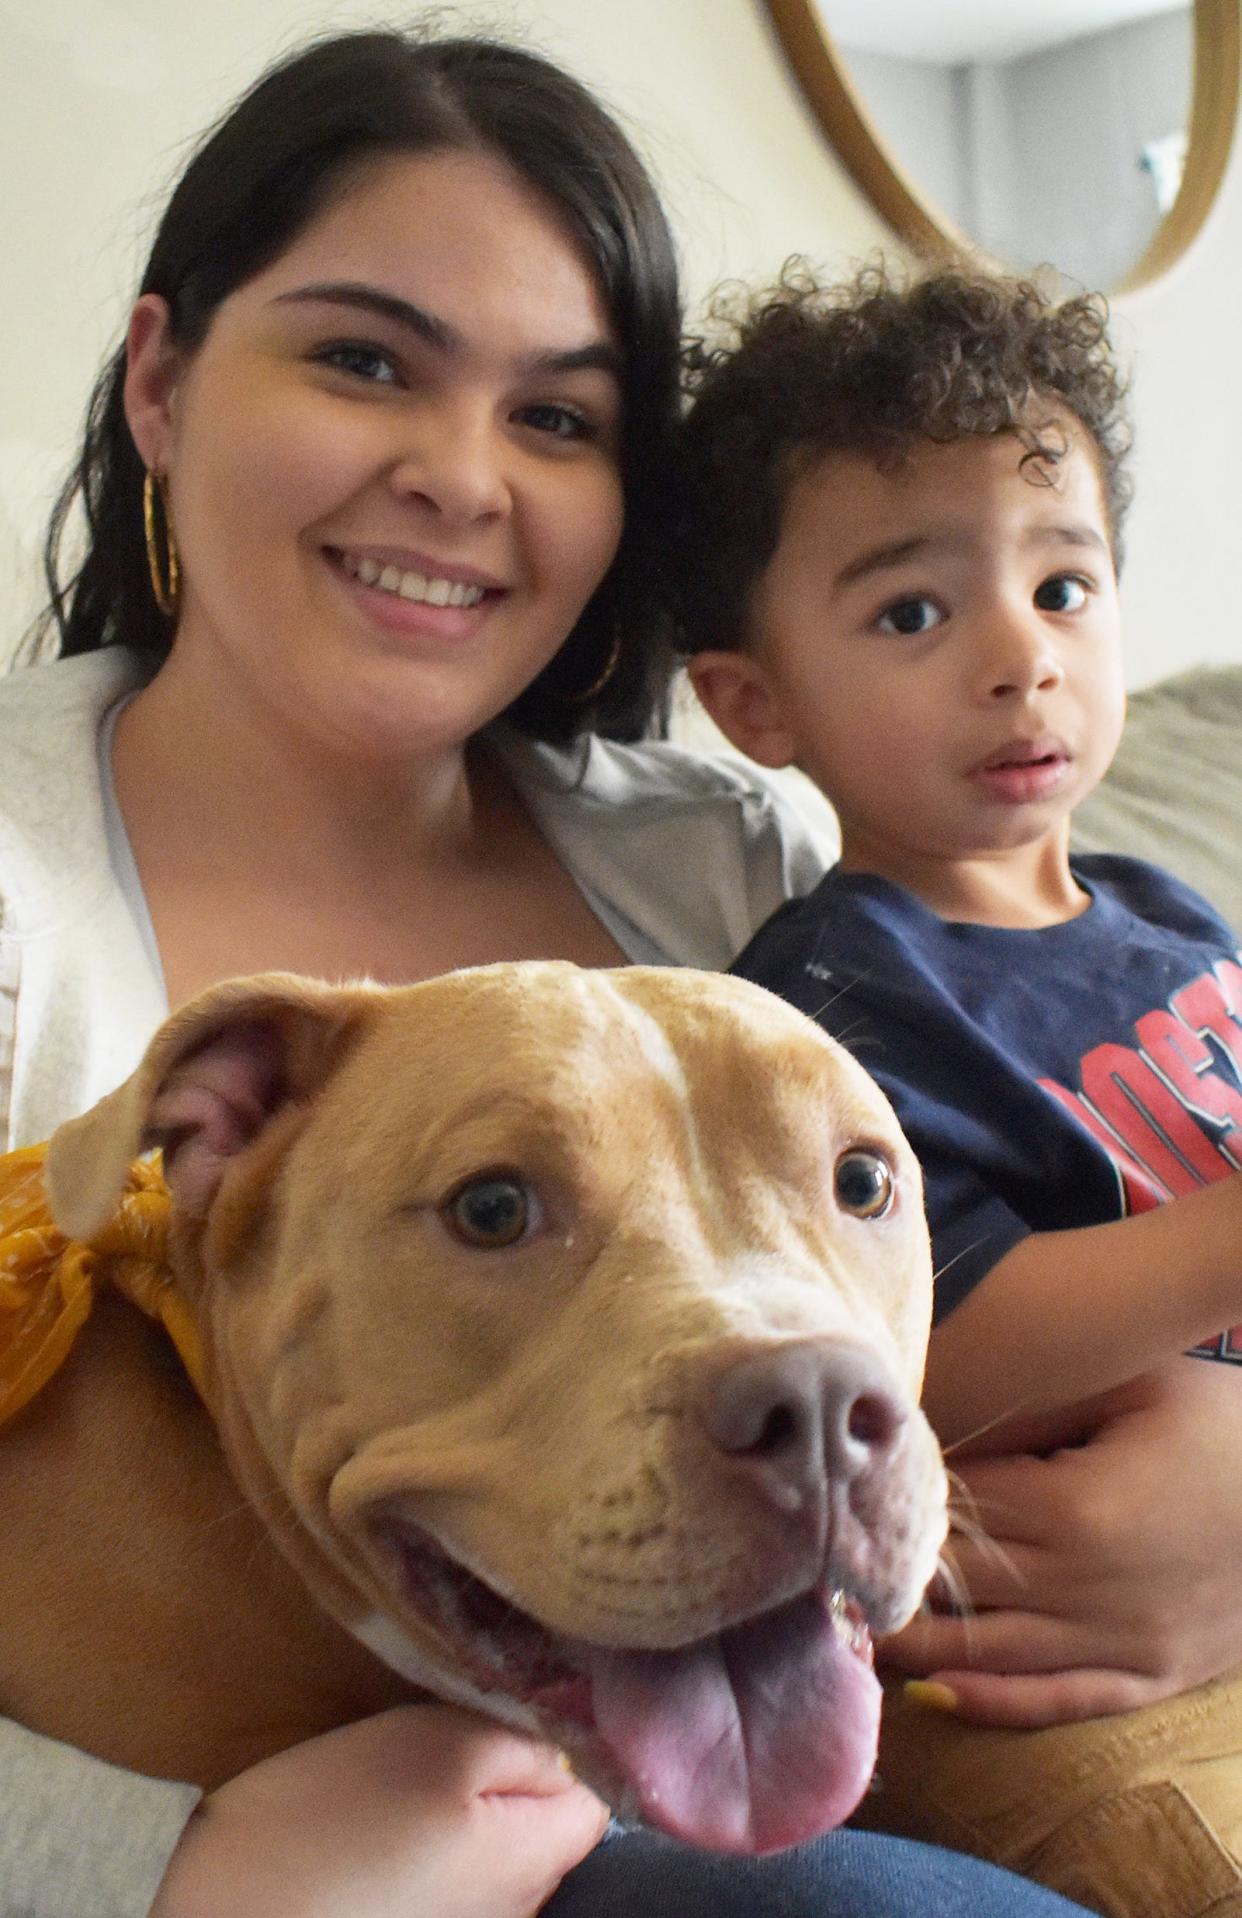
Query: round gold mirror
pixel 1090 135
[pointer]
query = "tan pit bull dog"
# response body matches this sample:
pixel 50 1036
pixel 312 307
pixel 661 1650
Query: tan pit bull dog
pixel 562 1335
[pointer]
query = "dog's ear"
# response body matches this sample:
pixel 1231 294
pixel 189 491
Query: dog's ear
pixel 212 1078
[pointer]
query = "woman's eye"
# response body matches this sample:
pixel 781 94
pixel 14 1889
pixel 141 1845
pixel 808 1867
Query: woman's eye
pixel 910 616
pixel 1063 593
pixel 559 422
pixel 365 362
pixel 494 1210
pixel 864 1184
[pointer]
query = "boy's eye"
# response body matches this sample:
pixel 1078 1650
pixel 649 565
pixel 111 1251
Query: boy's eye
pixel 910 616
pixel 1063 593
pixel 365 362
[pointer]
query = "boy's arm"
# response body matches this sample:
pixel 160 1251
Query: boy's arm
pixel 1066 1315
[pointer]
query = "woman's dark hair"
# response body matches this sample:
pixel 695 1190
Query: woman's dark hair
pixel 272 164
pixel 873 366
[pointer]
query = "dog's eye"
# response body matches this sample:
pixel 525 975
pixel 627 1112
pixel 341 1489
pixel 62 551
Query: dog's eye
pixel 493 1210
pixel 864 1184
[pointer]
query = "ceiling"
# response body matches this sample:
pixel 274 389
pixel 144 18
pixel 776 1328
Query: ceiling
pixel 956 32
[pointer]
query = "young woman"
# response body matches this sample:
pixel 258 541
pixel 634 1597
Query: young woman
pixel 375 516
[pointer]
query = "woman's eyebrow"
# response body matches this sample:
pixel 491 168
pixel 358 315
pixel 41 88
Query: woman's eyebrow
pixel 433 331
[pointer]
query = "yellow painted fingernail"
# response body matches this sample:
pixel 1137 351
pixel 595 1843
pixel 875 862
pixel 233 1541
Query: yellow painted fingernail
pixel 931 1695
pixel 562 1759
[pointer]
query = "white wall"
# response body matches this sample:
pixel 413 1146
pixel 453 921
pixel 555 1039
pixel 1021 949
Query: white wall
pixel 98 97
pixel 1036 157
pixel 1132 85
pixel 919 108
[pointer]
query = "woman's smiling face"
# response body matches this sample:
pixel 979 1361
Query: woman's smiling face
pixel 394 463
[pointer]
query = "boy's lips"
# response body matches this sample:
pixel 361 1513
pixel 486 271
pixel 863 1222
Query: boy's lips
pixel 1024 770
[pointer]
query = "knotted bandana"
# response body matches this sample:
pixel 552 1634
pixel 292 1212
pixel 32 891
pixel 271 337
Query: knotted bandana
pixel 48 1282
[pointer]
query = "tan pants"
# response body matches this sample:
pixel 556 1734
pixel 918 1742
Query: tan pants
pixel 1138 1816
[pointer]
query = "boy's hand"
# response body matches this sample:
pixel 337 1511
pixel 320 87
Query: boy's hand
pixel 1112 1576
pixel 417 1811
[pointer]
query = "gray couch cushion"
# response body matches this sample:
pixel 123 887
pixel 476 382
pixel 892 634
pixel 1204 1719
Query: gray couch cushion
pixel 1174 792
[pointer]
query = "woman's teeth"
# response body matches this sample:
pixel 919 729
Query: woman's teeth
pixel 425 590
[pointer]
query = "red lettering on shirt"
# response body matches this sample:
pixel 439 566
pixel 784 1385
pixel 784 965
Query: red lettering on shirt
pixel 1140 1108
pixel 1170 1116
pixel 1141 1191
pixel 1186 1062
pixel 1227 1347
pixel 1213 1003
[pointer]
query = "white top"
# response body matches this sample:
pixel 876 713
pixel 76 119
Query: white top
pixel 681 857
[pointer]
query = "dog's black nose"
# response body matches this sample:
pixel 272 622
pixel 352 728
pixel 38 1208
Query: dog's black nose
pixel 803 1414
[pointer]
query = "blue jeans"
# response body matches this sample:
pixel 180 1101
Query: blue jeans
pixel 847 1874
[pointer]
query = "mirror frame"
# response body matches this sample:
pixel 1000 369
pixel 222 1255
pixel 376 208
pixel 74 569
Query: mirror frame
pixel 895 195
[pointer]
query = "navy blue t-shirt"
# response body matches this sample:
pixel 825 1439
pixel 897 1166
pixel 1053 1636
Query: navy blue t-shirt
pixel 1045 1079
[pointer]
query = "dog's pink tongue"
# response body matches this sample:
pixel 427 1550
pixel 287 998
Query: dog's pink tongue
pixel 757 1739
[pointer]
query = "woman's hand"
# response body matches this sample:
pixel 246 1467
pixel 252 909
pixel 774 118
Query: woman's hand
pixel 417 1811
pixel 1112 1573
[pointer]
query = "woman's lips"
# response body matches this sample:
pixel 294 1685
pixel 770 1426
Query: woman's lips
pixel 415 570
pixel 429 603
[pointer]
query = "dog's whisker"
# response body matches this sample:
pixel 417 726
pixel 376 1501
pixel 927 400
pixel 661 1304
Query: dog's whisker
pixel 833 997
pixel 964 1512
pixel 960 1601
pixel 274 1504
pixel 952 1582
pixel 967 1511
pixel 989 1425
pixel 990 1548
pixel 949 1264
pixel 849 1036
pixel 967 1522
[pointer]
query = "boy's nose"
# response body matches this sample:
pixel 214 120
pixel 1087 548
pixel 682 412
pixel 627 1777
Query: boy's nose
pixel 1021 660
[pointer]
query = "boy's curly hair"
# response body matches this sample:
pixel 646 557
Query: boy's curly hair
pixel 873 366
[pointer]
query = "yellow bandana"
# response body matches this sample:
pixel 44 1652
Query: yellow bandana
pixel 48 1282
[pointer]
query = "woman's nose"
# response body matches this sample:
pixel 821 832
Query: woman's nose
pixel 455 466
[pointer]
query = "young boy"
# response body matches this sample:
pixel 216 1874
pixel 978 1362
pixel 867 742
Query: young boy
pixel 902 541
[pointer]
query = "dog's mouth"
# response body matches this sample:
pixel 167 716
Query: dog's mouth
pixel 755 1738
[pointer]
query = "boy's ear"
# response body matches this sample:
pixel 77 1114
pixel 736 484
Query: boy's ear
pixel 737 693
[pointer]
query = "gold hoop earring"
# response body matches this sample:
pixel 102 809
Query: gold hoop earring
pixel 167 592
pixel 597 685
